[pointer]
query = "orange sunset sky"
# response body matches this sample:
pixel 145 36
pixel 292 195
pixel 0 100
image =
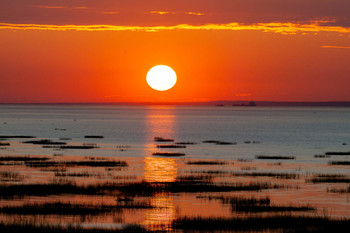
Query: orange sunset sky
pixel 100 51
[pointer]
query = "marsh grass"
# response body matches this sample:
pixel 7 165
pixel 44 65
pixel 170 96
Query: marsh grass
pixel 10 176
pixel 344 190
pixel 255 205
pixel 4 144
pixel 168 154
pixel 170 146
pixel 206 162
pixel 268 174
pixel 161 139
pixel 22 158
pixel 185 143
pixel 274 157
pixel 90 163
pixel 41 228
pixel 44 142
pixel 94 136
pixel 15 136
pixel 78 174
pixel 329 178
pixel 338 153
pixel 281 223
pixel 339 162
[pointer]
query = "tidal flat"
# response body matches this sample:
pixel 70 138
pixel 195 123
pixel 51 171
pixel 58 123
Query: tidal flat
pixel 103 180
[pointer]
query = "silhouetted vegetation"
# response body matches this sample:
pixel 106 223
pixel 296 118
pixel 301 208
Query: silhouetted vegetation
pixel 170 146
pixel 211 141
pixel 4 144
pixel 338 153
pixel 339 162
pixel 268 174
pixel 94 136
pixel 16 136
pixel 10 176
pixel 132 188
pixel 329 178
pixel 61 208
pixel 206 162
pixel 82 147
pixel 219 142
pixel 345 190
pixel 185 143
pixel 160 139
pixel 40 228
pixel 45 142
pixel 322 156
pixel 293 223
pixel 91 163
pixel 23 158
pixel 238 200
pixel 168 154
pixel 273 157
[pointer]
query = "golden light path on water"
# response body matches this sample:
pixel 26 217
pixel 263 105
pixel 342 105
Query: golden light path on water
pixel 161 122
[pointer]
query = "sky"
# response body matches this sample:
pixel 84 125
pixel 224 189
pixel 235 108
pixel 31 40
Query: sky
pixel 57 51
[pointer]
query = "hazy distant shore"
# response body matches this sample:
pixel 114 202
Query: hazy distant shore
pixel 211 103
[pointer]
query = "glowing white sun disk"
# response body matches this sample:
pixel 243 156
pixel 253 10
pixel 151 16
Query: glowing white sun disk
pixel 161 78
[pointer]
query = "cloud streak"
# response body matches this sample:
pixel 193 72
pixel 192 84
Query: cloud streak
pixel 335 47
pixel 281 28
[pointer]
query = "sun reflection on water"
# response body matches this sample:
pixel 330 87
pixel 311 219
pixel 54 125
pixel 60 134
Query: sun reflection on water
pixel 161 122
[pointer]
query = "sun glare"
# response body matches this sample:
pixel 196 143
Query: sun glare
pixel 161 78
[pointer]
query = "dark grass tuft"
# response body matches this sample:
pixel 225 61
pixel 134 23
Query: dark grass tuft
pixel 45 142
pixel 338 153
pixel 268 174
pixel 168 154
pixel 22 158
pixel 94 136
pixel 170 146
pixel 273 157
pixel 329 178
pixel 160 139
pixel 98 163
pixel 206 162
pixel 40 228
pixel 285 223
pixel 14 137
pixel 339 162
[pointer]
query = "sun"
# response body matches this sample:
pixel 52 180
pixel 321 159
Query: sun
pixel 161 78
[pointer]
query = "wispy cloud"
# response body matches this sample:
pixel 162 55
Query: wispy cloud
pixel 334 47
pixel 160 12
pixel 195 13
pixel 109 12
pixel 282 28
pixel 50 7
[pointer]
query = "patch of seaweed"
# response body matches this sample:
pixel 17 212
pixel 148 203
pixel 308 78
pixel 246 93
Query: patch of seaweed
pixel 339 162
pixel 98 163
pixel 160 139
pixel 206 162
pixel 15 136
pixel 273 157
pixel 285 223
pixel 22 158
pixel 268 174
pixel 94 136
pixel 329 178
pixel 168 154
pixel 170 146
pixel 338 153
pixel 45 142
